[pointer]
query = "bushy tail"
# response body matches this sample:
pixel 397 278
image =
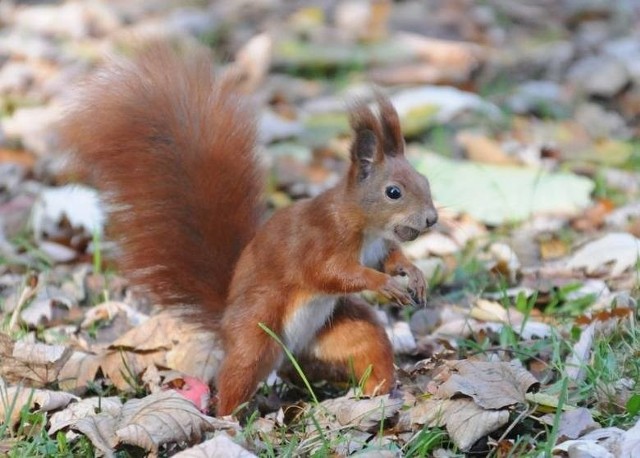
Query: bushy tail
pixel 172 147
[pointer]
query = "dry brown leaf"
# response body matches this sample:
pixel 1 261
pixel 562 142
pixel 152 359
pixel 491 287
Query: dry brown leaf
pixel 160 418
pixel 573 423
pixel 619 249
pixel 483 149
pixel 253 61
pixel 491 311
pixel 363 414
pixel 148 423
pixel 465 421
pixel 630 444
pixel 80 369
pixel 22 157
pixel 602 317
pixel 492 385
pixel 416 73
pixel 100 431
pixel 505 260
pixel 108 310
pixel 88 407
pixel 38 363
pixel 553 249
pixel 363 20
pixel 578 359
pixel 198 354
pixel 600 442
pixel 455 56
pixel 121 366
pixel 402 339
pixel 14 399
pixel 432 243
pixel 221 445
pixel 165 340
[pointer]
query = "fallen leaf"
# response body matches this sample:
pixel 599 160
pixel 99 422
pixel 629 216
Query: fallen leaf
pixel 106 311
pixel 573 423
pixel 84 408
pixel 445 53
pixel 57 252
pixel 492 385
pixel 36 362
pixel 443 103
pixel 221 445
pixel 553 249
pixel 601 440
pixel 148 423
pixel 589 450
pixel 483 149
pixel 465 421
pixel 402 339
pixel 78 371
pixel 252 62
pixel 15 398
pixel 360 413
pixel 506 260
pixel 22 157
pixel 619 249
pixel 547 402
pixel 122 368
pixel 167 339
pixel 630 444
pixel 526 327
pixel 78 204
pixel 504 194
pixel 362 20
pixel 578 360
pixel 99 429
pixel 432 243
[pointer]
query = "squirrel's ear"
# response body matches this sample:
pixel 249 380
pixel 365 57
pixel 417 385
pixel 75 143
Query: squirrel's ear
pixel 367 147
pixel 393 140
pixel 363 152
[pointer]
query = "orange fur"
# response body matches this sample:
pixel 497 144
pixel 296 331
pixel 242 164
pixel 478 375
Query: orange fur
pixel 353 340
pixel 173 148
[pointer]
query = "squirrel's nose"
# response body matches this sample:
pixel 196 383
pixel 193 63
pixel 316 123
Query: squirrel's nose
pixel 432 217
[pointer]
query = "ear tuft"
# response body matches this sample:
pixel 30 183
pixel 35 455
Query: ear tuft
pixel 363 151
pixel 366 147
pixel 392 138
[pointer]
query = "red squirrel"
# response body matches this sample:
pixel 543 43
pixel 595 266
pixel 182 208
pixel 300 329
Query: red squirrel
pixel 172 145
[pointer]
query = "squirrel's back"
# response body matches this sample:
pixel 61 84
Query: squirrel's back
pixel 172 147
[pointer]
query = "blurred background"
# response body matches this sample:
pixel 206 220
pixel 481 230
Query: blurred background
pixel 549 85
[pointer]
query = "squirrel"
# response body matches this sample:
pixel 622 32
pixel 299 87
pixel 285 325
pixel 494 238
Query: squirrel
pixel 171 144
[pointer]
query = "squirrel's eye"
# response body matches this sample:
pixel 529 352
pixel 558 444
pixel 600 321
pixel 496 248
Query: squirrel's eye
pixel 393 192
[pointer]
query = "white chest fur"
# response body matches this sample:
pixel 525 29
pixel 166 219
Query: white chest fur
pixel 306 321
pixel 374 250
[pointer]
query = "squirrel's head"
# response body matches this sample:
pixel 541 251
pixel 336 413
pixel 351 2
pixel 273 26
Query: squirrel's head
pixel 394 196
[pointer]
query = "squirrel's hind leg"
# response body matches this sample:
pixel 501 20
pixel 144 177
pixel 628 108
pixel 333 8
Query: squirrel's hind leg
pixel 351 345
pixel 248 360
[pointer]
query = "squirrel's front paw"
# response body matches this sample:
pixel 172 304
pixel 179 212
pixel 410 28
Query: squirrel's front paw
pixel 417 285
pixel 395 291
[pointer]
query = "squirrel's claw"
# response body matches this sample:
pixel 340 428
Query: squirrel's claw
pixel 418 286
pixel 396 292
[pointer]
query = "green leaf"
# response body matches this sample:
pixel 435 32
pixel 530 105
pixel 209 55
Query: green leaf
pixel 633 404
pixel 498 194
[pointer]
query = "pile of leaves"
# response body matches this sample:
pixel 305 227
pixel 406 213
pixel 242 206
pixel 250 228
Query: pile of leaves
pixel 524 116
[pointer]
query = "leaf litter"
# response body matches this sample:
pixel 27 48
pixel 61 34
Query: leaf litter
pixel 533 267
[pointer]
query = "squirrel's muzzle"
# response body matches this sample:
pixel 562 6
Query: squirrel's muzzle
pixel 432 217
